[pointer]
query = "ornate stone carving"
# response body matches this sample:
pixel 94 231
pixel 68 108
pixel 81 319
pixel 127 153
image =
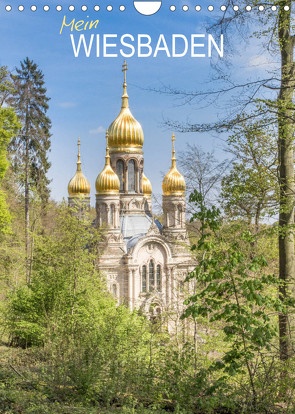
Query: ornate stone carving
pixel 153 230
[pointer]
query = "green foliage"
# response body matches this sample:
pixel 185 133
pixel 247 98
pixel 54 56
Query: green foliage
pixel 6 86
pixel 235 292
pixel 63 272
pixel 9 126
pixel 250 189
pixel 95 349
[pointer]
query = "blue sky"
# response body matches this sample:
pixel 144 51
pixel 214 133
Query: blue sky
pixel 86 92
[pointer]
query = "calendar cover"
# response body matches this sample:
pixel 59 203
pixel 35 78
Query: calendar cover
pixel 147 206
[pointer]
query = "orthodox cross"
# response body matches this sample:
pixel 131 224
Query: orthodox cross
pixel 124 69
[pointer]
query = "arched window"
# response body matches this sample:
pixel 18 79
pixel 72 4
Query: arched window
pixel 114 288
pixel 151 276
pixel 104 213
pixel 143 281
pixel 158 278
pixel 140 180
pixel 131 176
pixel 179 215
pixel 120 173
pixel 112 214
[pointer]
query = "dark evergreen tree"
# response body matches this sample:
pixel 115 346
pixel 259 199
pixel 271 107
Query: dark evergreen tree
pixel 30 147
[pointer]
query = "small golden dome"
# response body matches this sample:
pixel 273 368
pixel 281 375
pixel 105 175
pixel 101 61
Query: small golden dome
pixel 173 183
pixel 107 181
pixel 79 185
pixel 125 133
pixel 146 185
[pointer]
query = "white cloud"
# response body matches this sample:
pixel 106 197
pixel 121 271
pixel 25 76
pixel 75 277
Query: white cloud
pixel 98 130
pixel 66 105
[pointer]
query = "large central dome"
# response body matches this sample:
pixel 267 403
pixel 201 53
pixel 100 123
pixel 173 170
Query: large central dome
pixel 125 133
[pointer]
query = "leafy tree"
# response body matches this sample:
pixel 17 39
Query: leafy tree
pixel 92 345
pixel 275 107
pixel 6 86
pixel 235 291
pixel 250 190
pixel 63 275
pixel 245 194
pixel 30 147
pixel 9 127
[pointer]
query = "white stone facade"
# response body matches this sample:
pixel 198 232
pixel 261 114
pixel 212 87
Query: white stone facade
pixel 144 262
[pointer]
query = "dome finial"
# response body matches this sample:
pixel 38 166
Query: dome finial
pixel 79 185
pixel 125 132
pixel 173 183
pixel 79 157
pixel 125 94
pixel 173 159
pixel 107 181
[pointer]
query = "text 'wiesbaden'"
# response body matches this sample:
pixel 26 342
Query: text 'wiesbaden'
pixel 144 45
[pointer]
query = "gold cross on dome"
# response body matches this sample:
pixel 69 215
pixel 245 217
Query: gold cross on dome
pixel 78 146
pixel 173 148
pixel 107 137
pixel 124 69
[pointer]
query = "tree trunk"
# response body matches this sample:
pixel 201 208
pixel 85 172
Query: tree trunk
pixel 286 171
pixel 27 200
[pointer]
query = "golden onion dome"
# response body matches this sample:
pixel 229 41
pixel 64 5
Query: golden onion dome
pixel 107 181
pixel 173 183
pixel 79 185
pixel 146 185
pixel 125 133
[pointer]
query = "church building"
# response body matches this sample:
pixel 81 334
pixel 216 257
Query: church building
pixel 145 262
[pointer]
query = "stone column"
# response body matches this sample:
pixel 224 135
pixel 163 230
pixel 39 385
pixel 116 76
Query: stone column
pixel 172 285
pixel 108 215
pixel 137 188
pixel 168 289
pixel 130 289
pixel 133 289
pixel 176 224
pixel 126 177
pixel 140 179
